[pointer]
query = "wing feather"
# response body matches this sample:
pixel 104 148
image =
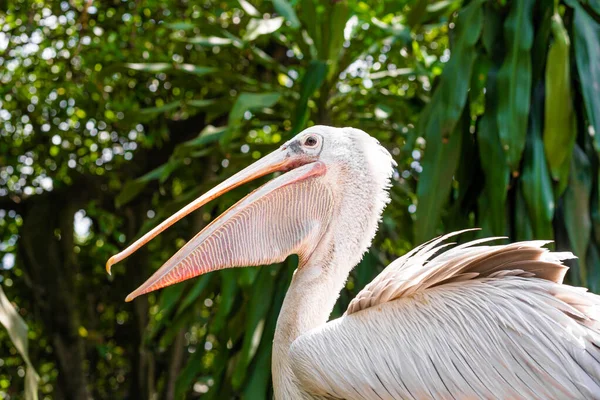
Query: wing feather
pixel 474 322
pixel 513 337
pixel 419 269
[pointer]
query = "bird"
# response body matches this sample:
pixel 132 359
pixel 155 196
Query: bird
pixel 444 321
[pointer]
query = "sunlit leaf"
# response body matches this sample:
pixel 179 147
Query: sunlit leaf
pixel 284 9
pixel 149 67
pixel 210 41
pixel 181 25
pixel 560 125
pixel 17 331
pixel 195 69
pixel 249 8
pixel 259 26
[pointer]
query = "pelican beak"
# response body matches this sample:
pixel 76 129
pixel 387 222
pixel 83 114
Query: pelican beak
pixel 226 241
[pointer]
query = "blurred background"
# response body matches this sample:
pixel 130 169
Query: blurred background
pixel 114 114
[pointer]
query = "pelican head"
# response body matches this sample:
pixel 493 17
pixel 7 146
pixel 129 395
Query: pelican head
pixel 333 179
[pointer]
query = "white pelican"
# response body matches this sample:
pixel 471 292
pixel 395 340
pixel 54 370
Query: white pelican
pixel 475 321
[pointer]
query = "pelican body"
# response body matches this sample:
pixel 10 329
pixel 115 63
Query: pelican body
pixel 474 321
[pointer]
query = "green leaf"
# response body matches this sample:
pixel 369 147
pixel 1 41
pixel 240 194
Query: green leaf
pixel 258 382
pixel 131 189
pixel 161 173
pixel 210 134
pixel 393 73
pixel 478 85
pixel 416 14
pixel 363 273
pixel 593 262
pixel 185 379
pixel 312 81
pixel 536 182
pixel 514 81
pixel 159 110
pixel 180 25
pixel 149 67
pixel 197 290
pixel 545 9
pixel 168 298
pixel 210 41
pixel 396 29
pixel 439 120
pixel 251 102
pixel 493 162
pixel 284 9
pixel 227 294
pixel 255 320
pixel 258 27
pixel 439 166
pixel 577 208
pixel 439 10
pixel 560 125
pixel 492 29
pixel 201 103
pixel 195 69
pixel 17 332
pixel 522 221
pixel 260 372
pixel 249 8
pixel 592 7
pixel 246 102
pixel 587 52
pixel 333 33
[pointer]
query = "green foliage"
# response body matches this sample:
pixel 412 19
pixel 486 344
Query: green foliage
pixel 113 115
pixel 514 81
pixel 528 124
pixel 443 147
pixel 560 124
pixel 17 331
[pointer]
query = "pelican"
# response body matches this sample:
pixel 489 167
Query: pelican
pixel 472 321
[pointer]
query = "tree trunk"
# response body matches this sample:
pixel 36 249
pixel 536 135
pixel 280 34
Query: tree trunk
pixel 46 250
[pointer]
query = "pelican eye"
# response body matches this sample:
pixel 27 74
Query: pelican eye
pixel 310 141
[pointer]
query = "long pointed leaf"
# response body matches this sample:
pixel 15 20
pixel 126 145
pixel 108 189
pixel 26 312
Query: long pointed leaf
pixel 439 120
pixel 560 125
pixel 493 162
pixel 514 81
pixel 587 53
pixel 577 208
pixel 535 181
pixel 17 331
